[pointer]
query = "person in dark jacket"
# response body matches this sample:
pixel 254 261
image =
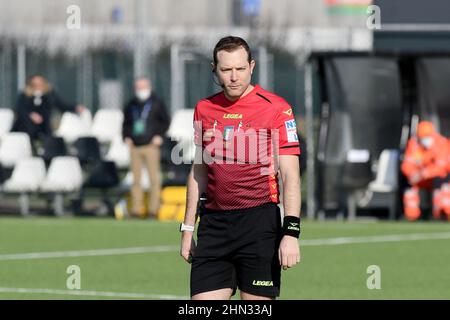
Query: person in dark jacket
pixel 34 108
pixel 145 123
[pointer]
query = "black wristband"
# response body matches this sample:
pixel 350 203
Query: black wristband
pixel 291 226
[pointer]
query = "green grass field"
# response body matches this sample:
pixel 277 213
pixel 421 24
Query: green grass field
pixel 144 263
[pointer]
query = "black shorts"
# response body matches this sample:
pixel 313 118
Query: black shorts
pixel 238 249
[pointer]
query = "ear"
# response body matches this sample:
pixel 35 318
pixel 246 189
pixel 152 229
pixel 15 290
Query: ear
pixel 252 66
pixel 213 67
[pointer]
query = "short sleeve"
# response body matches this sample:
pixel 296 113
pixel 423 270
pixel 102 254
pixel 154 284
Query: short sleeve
pixel 286 131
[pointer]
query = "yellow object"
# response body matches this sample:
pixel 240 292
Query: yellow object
pixel 120 210
pixel 123 208
pixel 171 212
pixel 173 204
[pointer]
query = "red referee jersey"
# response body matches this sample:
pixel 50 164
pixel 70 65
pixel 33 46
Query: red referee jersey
pixel 240 142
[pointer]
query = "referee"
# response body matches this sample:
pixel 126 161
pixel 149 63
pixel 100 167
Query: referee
pixel 246 137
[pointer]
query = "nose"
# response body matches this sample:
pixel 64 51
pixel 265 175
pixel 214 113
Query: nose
pixel 233 75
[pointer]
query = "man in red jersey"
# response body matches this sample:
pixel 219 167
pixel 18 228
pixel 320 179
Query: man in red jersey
pixel 244 136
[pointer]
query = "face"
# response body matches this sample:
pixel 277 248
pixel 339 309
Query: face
pixel 142 89
pixel 142 84
pixel 38 84
pixel 234 72
pixel 427 142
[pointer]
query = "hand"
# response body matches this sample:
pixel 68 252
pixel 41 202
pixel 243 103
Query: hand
pixel 425 174
pixel 80 108
pixel 415 178
pixel 36 118
pixel 289 252
pixel 187 246
pixel 157 140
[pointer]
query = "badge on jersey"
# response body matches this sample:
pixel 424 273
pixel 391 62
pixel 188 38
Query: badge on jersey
pixel 228 133
pixel 291 130
pixel 139 127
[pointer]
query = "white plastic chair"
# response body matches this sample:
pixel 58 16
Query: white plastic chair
pixel 119 152
pixel 6 121
pixel 107 125
pixel 386 181
pixel 181 125
pixel 182 130
pixel 13 147
pixel 64 176
pixel 27 176
pixel 74 126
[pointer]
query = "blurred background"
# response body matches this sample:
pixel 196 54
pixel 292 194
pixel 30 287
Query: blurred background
pixel 171 41
pixel 358 78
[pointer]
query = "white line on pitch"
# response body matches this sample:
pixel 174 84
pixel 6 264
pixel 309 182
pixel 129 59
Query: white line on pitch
pixel 87 253
pixel 173 248
pixel 94 293
pixel 375 239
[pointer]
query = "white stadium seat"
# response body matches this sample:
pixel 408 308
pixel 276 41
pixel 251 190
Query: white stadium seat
pixel 385 183
pixel 13 147
pixel 182 130
pixel 6 121
pixel 27 176
pixel 107 125
pixel 119 153
pixel 64 175
pixel 74 126
pixel 387 173
pixel 181 125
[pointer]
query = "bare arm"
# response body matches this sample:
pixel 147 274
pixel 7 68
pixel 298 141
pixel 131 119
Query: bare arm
pixel 290 176
pixel 196 185
pixel 289 252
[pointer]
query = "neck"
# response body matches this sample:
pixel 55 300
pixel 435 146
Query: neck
pixel 233 99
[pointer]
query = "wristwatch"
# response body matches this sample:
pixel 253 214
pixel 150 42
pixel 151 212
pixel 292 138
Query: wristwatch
pixel 184 227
